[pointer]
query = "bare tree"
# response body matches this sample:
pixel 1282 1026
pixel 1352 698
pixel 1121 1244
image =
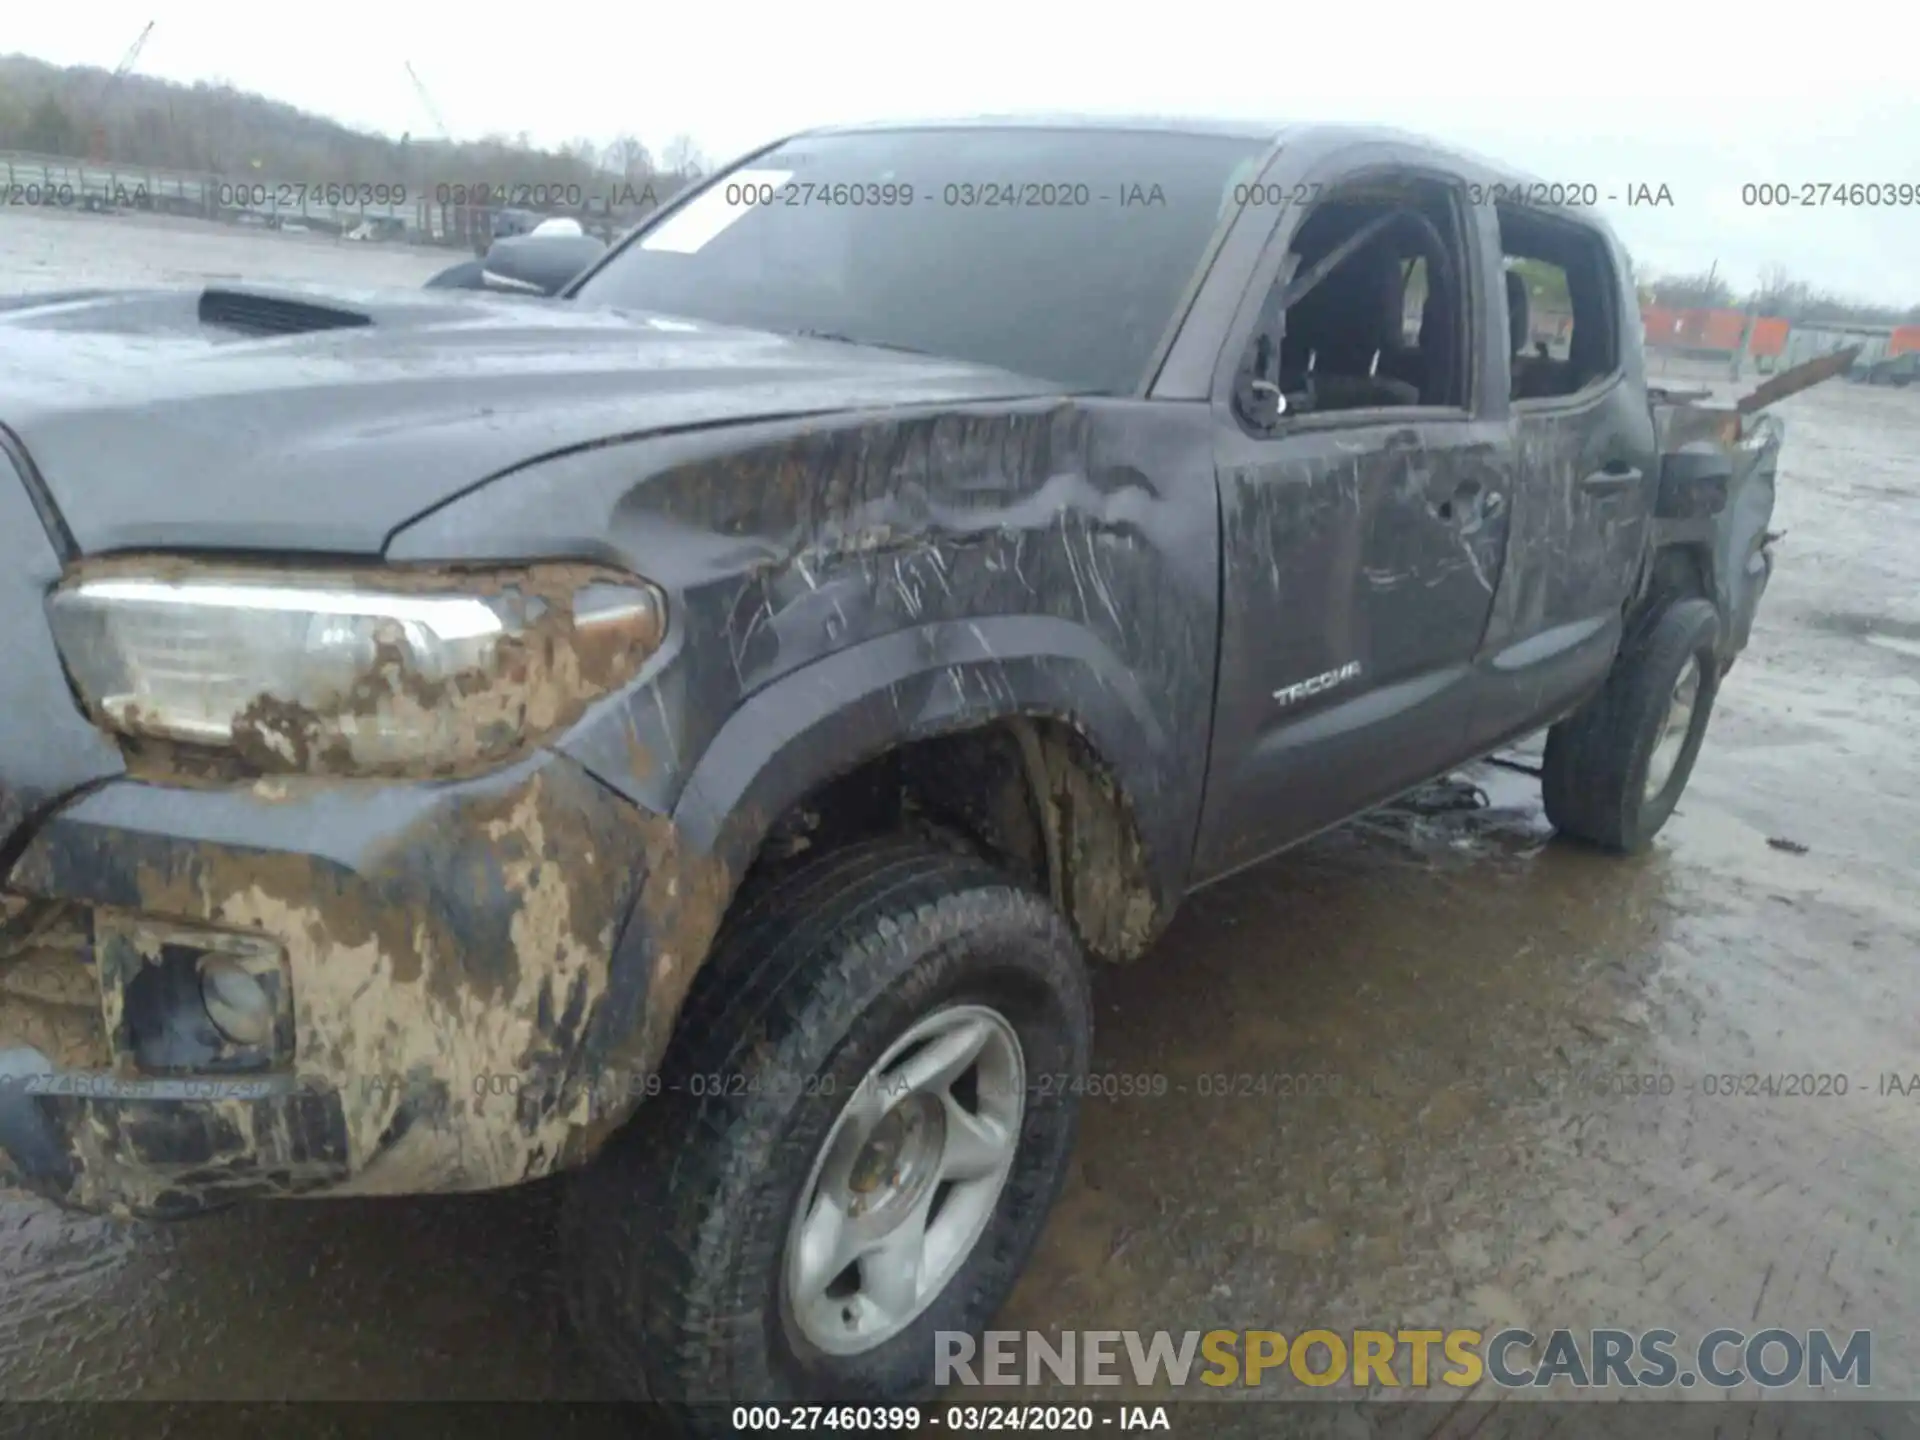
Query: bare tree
pixel 628 158
pixel 1779 294
pixel 50 130
pixel 1702 290
pixel 682 157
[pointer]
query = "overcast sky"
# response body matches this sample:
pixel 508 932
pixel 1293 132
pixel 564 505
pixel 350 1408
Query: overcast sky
pixel 1698 98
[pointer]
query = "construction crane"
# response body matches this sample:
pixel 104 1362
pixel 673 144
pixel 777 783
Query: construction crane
pixel 133 52
pixel 420 89
pixel 126 64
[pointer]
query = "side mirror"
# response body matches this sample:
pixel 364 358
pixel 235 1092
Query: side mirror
pixel 1260 404
pixel 539 264
pixel 1260 400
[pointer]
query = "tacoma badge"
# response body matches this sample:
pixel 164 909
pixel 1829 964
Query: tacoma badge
pixel 1287 694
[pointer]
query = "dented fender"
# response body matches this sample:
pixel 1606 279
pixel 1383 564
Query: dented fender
pixel 481 972
pixel 936 680
pixel 1718 475
pixel 841 585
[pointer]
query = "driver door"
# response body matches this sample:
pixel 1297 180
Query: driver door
pixel 1362 541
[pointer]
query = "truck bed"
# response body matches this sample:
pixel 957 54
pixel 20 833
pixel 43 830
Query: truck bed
pixel 1718 465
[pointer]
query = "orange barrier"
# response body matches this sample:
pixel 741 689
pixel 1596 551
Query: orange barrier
pixel 1717 329
pixel 1769 340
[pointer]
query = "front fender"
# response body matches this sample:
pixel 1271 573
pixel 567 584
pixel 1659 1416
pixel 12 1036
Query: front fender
pixel 841 583
pixel 839 712
pixel 827 719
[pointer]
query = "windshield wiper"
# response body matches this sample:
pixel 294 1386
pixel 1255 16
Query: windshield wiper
pixel 839 339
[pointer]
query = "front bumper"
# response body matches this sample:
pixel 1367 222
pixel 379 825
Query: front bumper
pixel 466 977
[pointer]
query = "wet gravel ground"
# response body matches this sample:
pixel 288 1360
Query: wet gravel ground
pixel 70 250
pixel 1451 976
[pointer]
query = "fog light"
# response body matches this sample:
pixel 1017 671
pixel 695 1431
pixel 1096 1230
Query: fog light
pixel 238 1004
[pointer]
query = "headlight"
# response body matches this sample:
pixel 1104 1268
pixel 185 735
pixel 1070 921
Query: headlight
pixel 357 672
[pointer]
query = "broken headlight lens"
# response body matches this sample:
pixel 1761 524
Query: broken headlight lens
pixel 353 673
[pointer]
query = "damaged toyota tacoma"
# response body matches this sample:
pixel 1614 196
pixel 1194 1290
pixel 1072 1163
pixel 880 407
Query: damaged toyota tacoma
pixel 696 730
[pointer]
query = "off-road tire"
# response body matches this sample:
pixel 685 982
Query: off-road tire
pixel 1594 774
pixel 673 1238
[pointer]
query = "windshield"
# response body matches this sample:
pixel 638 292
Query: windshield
pixel 1059 254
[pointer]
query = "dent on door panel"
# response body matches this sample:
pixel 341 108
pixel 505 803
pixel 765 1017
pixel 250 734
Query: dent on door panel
pixel 1573 554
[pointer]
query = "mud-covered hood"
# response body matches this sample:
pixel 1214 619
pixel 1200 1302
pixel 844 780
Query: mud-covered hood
pixel 292 419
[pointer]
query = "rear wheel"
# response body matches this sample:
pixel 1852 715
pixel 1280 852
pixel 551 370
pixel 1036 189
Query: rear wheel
pixel 1615 769
pixel 863 1128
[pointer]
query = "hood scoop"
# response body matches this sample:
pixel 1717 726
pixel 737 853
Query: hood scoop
pixel 254 313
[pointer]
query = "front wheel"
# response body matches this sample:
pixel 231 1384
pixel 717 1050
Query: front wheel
pixel 868 1111
pixel 1615 769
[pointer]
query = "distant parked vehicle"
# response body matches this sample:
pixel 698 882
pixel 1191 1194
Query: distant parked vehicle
pixel 511 221
pixel 378 227
pixel 1901 370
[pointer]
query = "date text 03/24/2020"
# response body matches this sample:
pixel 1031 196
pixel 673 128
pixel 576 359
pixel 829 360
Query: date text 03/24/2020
pixel 952 1419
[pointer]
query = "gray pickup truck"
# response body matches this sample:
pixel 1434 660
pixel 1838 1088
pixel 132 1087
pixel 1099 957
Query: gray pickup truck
pixel 698 728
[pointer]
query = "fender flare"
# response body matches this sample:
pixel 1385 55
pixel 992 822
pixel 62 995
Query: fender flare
pixel 835 714
pixel 841 711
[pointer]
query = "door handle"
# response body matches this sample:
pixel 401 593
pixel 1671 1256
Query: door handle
pixel 1613 479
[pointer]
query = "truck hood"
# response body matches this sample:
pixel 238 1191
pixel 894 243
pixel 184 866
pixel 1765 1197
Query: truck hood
pixel 284 419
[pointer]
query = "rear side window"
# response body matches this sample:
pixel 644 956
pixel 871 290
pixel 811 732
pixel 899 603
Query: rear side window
pixel 1562 304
